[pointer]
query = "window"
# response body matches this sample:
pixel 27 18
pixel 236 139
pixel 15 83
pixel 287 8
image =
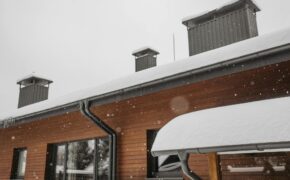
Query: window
pixel 270 165
pixel 19 163
pixel 162 166
pixel 79 160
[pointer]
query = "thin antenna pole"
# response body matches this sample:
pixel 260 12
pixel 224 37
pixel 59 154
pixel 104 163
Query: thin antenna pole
pixel 173 47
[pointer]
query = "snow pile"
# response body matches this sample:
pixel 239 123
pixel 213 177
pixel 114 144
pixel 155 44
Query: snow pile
pixel 143 48
pixel 217 9
pixel 253 169
pixel 31 76
pixel 197 62
pixel 266 121
pixel 187 18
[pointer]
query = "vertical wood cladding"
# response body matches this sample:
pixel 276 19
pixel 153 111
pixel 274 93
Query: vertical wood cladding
pixel 131 118
pixel 145 62
pixel 222 30
pixel 32 94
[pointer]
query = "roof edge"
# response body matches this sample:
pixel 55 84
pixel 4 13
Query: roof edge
pixel 241 147
pixel 68 106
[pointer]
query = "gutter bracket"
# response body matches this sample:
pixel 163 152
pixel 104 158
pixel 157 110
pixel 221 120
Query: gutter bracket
pixel 183 156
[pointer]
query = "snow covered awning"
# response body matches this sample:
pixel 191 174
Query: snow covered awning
pixel 259 125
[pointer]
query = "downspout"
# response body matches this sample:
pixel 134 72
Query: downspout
pixel 183 156
pixel 85 110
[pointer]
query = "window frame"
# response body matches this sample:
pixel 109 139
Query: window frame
pixel 15 163
pixel 152 162
pixel 51 148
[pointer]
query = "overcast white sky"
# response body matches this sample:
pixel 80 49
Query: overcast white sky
pixel 84 43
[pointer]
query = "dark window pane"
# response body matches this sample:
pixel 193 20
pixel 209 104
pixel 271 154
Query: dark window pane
pixel 80 162
pixel 19 164
pixel 168 163
pixel 60 158
pixel 103 157
pixel 152 162
pixel 162 166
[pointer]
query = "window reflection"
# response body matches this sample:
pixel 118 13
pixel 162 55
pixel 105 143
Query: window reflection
pixel 21 163
pixel 168 163
pixel 60 159
pixel 80 160
pixel 103 157
pixel 274 165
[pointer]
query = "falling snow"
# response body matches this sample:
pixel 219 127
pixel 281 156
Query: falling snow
pixel 197 62
pixel 179 105
pixel 118 129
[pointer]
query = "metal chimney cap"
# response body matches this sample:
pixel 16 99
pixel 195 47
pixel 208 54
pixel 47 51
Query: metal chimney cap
pixel 232 5
pixel 144 50
pixel 32 77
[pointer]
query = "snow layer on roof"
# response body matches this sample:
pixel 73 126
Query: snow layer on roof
pixel 187 18
pixel 30 76
pixel 222 6
pixel 257 122
pixel 143 48
pixel 199 61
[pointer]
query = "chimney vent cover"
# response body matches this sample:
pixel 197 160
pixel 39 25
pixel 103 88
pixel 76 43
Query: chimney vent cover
pixel 33 89
pixel 145 58
pixel 233 22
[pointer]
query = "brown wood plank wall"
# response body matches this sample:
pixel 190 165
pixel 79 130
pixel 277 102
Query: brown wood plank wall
pixel 131 118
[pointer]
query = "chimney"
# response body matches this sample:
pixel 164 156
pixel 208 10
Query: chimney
pixel 233 22
pixel 145 58
pixel 33 89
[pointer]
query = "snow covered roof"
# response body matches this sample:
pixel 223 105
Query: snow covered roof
pixel 197 62
pixel 223 7
pixel 261 122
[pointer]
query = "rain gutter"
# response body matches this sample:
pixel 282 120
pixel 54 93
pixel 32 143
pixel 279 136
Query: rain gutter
pixel 138 90
pixel 232 148
pixel 85 110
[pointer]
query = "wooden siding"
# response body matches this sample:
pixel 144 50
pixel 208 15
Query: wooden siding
pixel 131 118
